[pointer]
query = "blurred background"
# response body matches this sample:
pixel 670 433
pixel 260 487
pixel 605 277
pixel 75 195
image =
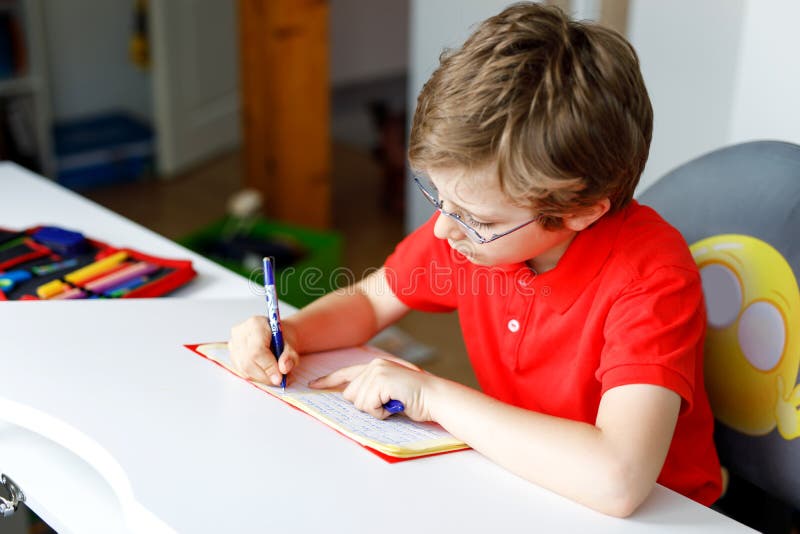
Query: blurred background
pixel 164 110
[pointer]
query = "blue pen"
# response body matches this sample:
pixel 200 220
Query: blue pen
pixel 273 313
pixel 394 406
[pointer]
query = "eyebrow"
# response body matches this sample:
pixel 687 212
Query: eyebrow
pixel 483 217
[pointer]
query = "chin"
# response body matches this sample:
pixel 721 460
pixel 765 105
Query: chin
pixel 464 251
pixel 477 261
pixel 472 259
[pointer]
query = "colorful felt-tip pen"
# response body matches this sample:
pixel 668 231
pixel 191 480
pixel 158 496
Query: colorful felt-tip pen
pixel 11 278
pixel 69 294
pixel 117 278
pixel 51 289
pixel 126 287
pixel 273 313
pixel 94 269
pixel 41 270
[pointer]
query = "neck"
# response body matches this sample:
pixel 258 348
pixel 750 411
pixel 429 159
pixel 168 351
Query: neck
pixel 549 259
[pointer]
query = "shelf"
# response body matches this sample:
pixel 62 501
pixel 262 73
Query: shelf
pixel 17 85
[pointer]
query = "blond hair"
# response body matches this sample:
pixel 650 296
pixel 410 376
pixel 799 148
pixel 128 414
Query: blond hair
pixel 558 106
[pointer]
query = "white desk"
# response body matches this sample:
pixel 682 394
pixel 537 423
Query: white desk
pixel 45 469
pixel 187 447
pixel 109 425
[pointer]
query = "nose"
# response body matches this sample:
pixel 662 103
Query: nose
pixel 447 228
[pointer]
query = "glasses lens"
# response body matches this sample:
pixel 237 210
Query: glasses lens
pixel 432 194
pixel 472 233
pixel 428 190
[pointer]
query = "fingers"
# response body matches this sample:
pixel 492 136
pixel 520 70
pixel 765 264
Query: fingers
pixel 365 385
pixel 365 399
pixel 250 370
pixel 253 367
pixel 402 362
pixel 337 378
pixel 250 354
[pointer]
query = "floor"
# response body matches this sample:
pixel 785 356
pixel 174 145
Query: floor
pixel 190 201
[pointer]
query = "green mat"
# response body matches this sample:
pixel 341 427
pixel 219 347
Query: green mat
pixel 314 272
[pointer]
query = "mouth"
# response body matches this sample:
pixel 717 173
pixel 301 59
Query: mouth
pixel 465 249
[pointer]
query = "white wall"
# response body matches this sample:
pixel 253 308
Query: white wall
pixel 436 25
pixel 767 100
pixel 87 56
pixel 369 40
pixel 719 72
pixel 688 51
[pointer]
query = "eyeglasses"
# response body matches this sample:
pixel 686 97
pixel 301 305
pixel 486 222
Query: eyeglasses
pixel 432 195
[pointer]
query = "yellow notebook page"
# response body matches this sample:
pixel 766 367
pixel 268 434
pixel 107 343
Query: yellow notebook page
pixel 396 436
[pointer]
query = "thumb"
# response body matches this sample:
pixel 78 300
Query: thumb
pixel 289 359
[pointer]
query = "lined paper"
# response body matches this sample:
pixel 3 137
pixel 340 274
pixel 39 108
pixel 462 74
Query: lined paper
pixel 396 436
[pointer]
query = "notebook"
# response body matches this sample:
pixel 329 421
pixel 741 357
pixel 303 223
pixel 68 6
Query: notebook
pixel 394 438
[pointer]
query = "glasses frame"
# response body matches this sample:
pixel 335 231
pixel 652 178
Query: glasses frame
pixel 471 232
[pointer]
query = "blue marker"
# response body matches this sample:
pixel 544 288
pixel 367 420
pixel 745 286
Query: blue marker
pixel 11 278
pixel 273 313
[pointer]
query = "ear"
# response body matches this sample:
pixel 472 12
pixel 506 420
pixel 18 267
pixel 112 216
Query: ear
pixel 586 217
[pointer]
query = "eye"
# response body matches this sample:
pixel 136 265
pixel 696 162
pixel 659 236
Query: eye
pixel 453 210
pixel 762 335
pixel 723 294
pixel 478 224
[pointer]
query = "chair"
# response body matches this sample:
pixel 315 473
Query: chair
pixel 739 208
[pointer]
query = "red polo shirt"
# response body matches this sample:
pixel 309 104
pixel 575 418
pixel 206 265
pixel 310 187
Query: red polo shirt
pixel 624 305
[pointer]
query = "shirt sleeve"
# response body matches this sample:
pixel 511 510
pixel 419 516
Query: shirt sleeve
pixel 420 271
pixel 654 334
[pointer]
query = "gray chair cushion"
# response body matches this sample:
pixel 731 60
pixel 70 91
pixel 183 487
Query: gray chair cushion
pixel 752 189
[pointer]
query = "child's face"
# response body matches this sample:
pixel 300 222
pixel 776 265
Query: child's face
pixel 476 197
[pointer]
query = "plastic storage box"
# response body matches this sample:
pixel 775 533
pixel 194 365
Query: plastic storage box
pixel 101 150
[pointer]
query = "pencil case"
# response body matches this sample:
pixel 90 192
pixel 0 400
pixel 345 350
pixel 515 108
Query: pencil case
pixel 52 263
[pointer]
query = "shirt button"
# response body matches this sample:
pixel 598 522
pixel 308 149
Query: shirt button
pixel 513 325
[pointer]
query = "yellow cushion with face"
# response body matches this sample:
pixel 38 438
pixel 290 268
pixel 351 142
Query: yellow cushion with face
pixel 752 347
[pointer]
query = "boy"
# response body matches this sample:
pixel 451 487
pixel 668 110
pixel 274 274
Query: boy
pixel 582 311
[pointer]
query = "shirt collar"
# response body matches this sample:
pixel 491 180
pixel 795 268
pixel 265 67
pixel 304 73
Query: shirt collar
pixel 561 286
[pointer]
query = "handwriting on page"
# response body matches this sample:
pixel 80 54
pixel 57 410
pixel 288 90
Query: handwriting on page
pixel 311 366
pixel 397 430
pixel 314 366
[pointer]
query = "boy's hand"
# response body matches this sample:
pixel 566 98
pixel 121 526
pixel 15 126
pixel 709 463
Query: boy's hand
pixel 250 354
pixel 370 386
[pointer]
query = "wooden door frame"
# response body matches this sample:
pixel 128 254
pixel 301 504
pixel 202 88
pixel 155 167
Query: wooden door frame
pixel 285 87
